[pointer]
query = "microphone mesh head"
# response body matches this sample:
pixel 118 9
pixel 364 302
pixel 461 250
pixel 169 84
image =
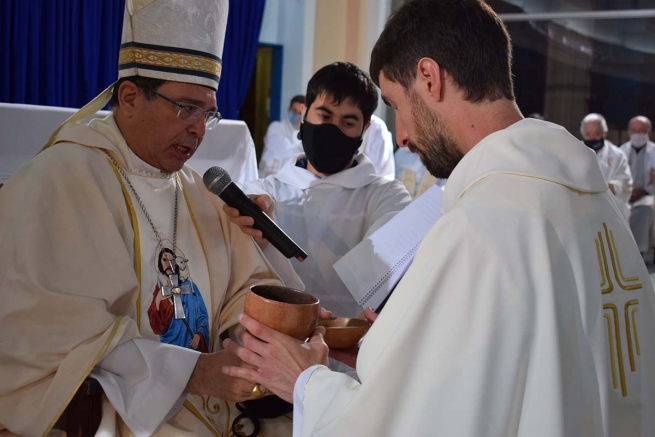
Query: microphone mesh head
pixel 216 179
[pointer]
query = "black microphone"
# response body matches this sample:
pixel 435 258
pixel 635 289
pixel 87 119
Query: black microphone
pixel 219 182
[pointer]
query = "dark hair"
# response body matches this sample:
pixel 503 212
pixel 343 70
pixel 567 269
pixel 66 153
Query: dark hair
pixel 465 37
pixel 297 99
pixel 147 85
pixel 341 81
pixel 176 270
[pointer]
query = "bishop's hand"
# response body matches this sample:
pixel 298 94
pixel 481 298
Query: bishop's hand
pixel 266 204
pixel 277 360
pixel 207 379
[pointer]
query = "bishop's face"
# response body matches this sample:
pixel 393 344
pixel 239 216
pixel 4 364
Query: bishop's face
pixel 158 136
pixel 421 129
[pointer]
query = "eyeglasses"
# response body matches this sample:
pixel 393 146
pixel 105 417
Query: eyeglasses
pixel 191 113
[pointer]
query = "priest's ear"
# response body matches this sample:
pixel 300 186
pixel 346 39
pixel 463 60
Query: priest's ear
pixel 430 79
pixel 127 97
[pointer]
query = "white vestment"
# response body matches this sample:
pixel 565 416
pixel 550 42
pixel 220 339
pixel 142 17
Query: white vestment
pixel 520 315
pixel 377 144
pixel 327 217
pixel 78 278
pixel 642 216
pixel 616 171
pixel 281 145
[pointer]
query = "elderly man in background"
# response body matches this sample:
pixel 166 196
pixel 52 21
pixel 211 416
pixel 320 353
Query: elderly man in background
pixel 641 158
pixel 612 161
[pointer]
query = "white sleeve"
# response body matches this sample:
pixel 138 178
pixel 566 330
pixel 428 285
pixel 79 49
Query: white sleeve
pixel 299 397
pixel 622 180
pixel 378 146
pixel 144 380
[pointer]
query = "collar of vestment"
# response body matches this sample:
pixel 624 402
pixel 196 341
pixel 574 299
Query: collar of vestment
pixel 103 133
pixel 355 177
pixel 528 148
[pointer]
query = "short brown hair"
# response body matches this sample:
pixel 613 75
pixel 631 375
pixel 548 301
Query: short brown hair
pixel 465 37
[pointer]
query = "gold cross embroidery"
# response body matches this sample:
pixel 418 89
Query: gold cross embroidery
pixel 607 251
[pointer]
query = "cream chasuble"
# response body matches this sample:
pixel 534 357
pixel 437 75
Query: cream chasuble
pixel 82 271
pixel 527 311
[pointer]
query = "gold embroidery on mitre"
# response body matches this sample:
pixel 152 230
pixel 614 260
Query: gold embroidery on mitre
pixel 167 59
pixel 652 175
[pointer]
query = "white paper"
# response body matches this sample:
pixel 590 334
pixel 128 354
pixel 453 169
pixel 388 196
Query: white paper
pixel 373 268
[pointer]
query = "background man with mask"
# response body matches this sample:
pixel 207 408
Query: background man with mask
pixel 503 325
pixel 612 161
pixel 330 199
pixel 641 157
pixel 281 143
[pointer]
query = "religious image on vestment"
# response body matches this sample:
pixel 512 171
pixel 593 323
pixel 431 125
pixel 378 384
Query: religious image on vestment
pixel 177 312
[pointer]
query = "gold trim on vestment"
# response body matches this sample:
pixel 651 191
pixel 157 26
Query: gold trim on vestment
pixel 615 261
pixel 202 245
pixel 628 331
pixel 619 351
pixel 167 59
pixel 137 240
pixel 89 369
pixel 189 406
pixel 610 286
pixel 634 327
pixel 611 347
pixel 600 264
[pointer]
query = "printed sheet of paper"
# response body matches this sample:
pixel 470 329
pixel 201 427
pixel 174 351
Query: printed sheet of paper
pixel 372 269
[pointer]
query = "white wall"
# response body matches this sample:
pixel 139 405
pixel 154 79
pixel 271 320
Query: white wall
pixel 290 23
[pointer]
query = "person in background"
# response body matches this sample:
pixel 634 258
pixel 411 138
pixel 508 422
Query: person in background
pixel 612 161
pixel 281 143
pixel 641 157
pixel 329 199
pixel 377 144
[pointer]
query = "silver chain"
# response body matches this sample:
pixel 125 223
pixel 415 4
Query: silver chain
pixel 143 207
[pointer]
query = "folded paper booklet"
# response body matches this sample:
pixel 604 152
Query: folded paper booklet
pixel 372 269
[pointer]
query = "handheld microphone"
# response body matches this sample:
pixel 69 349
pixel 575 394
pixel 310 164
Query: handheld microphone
pixel 219 182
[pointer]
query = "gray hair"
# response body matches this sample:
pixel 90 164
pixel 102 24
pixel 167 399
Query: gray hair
pixel 597 118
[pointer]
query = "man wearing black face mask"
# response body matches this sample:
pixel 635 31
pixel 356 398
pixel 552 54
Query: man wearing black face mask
pixel 330 199
pixel 612 161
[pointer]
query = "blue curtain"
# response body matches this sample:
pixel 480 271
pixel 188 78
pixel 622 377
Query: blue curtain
pixel 244 22
pixel 58 52
pixel 64 52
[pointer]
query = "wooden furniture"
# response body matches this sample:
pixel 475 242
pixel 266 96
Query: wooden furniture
pixel 83 414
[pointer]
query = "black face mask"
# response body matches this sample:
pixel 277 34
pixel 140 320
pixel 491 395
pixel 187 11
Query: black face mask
pixel 327 148
pixel 594 144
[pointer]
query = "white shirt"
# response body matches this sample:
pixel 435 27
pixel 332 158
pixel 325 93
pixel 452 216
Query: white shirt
pixel 377 144
pixel 281 145
pixel 327 217
pixel 642 166
pixel 616 171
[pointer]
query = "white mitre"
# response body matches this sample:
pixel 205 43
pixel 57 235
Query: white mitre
pixel 176 40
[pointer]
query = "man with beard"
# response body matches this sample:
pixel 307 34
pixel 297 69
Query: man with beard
pixel 527 310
